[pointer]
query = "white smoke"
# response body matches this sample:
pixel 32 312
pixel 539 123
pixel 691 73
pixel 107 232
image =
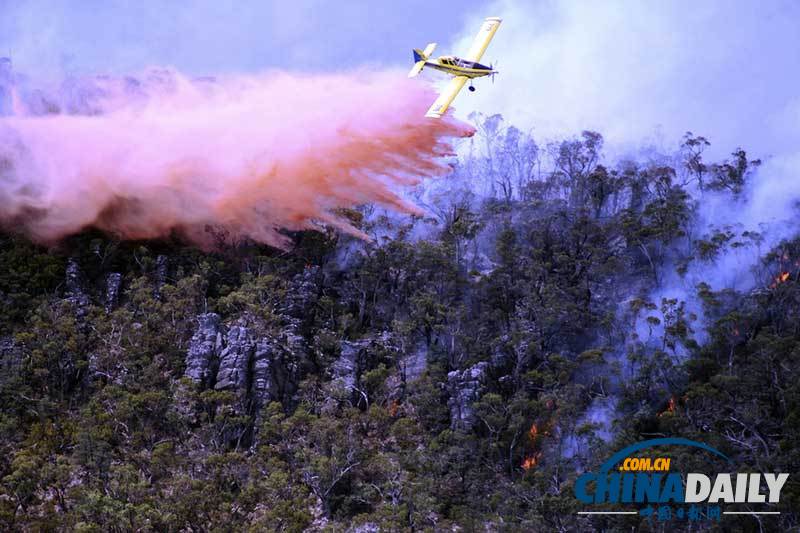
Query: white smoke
pixel 632 70
pixel 643 74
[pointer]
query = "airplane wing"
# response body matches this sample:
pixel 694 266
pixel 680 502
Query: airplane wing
pixel 446 97
pixel 485 34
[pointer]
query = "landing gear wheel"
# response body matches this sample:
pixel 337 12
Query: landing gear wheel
pixel 471 89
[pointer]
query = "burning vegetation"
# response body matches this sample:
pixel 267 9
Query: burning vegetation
pixel 534 455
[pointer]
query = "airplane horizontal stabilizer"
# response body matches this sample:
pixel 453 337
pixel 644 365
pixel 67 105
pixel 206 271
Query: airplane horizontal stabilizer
pixel 416 69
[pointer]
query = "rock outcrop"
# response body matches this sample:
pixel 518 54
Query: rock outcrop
pixel 234 360
pixel 263 386
pixel 413 364
pixel 346 369
pixel 76 292
pixel 257 369
pixel 162 269
pixel 302 294
pixel 465 387
pixel 10 359
pixel 202 357
pixel 113 284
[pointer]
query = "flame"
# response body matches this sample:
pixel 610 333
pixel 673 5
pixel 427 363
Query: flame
pixel 780 278
pixel 671 405
pixel 533 457
pixel 531 461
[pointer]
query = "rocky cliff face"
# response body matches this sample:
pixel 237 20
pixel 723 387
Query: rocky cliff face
pixel 202 358
pixel 235 360
pixel 465 387
pixel 113 284
pixel 413 364
pixel 160 274
pixel 76 292
pixel 259 368
pixel 347 367
pixel 302 294
pixel 10 359
pixel 256 369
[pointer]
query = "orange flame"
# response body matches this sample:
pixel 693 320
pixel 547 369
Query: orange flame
pixel 670 407
pixel 531 461
pixel 780 278
pixel 533 432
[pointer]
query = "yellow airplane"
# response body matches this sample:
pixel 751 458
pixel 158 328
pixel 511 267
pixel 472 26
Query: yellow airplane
pixel 462 69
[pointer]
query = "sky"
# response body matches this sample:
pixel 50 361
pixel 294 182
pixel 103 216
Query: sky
pixel 726 69
pixel 632 69
pixel 203 37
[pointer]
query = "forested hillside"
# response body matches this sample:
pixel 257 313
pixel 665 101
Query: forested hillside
pixel 455 373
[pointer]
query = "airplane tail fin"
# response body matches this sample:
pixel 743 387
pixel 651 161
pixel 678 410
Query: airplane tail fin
pixel 420 56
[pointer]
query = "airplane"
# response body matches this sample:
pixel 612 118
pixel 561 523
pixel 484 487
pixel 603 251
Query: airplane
pixel 462 69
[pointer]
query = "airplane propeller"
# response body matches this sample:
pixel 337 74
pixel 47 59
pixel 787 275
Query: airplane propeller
pixel 491 67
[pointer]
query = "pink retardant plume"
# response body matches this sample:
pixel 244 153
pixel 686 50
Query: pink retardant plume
pixel 143 158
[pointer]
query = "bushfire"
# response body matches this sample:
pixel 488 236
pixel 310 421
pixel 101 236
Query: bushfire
pixel 670 407
pixel 531 461
pixel 532 458
pixel 780 278
pixel 784 275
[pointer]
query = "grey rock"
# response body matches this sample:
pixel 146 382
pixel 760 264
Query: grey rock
pixel 413 364
pixel 75 288
pixel 113 283
pixel 235 360
pixel 10 359
pixel 257 369
pixel 285 368
pixel 262 379
pixel 465 387
pixel 202 357
pixel 162 269
pixel 357 357
pixel 302 293
pixel 345 369
pixel 74 277
pixel 369 527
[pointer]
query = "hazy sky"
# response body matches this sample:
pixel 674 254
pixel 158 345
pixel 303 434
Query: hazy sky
pixel 727 69
pixel 211 36
pixel 632 69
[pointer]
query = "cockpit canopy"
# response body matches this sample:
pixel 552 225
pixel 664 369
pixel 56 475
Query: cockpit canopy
pixel 458 62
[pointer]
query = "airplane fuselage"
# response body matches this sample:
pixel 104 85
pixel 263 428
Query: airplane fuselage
pixel 456 66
